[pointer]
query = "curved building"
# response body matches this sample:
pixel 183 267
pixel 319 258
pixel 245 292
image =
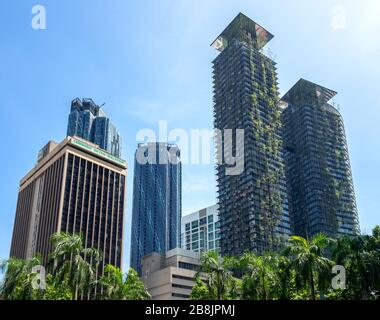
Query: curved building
pixel 156 211
pixel 320 187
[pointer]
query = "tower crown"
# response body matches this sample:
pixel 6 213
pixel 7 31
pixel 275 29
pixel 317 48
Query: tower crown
pixel 244 29
pixel 304 89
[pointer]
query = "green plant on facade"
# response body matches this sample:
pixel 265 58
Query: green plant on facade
pixel 268 145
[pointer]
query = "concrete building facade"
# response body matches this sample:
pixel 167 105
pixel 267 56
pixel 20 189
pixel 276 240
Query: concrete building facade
pixel 76 187
pixel 170 276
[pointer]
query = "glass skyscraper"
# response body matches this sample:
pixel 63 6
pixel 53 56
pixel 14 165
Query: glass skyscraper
pixel 88 121
pixel 253 206
pixel 321 192
pixel 156 211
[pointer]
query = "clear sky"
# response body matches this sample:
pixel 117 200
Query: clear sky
pixel 151 61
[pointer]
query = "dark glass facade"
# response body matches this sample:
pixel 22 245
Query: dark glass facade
pixel 253 206
pixel 156 212
pixel 321 192
pixel 93 206
pixel 88 121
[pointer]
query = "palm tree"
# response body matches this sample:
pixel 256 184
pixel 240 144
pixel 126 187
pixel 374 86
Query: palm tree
pixel 361 257
pixel 259 279
pixel 18 279
pixel 117 287
pixel 285 277
pixel 112 283
pixel 309 263
pixel 74 263
pixel 218 276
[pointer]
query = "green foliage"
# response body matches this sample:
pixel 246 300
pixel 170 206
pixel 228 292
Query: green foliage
pixel 134 288
pixel 116 286
pixel 56 291
pixel 219 277
pixel 360 256
pixel 307 260
pixel 301 272
pixel 260 277
pixel 200 291
pixel 18 279
pixel 73 263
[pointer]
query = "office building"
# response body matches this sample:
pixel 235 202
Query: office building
pixel 200 230
pixel 253 205
pixel 88 121
pixel 321 191
pixel 156 208
pixel 170 275
pixel 76 187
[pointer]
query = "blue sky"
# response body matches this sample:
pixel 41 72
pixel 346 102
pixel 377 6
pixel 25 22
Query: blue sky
pixel 151 61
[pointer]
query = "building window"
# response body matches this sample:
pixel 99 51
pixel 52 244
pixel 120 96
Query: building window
pixel 178 295
pixel 210 219
pixel 194 224
pixel 174 285
pixel 187 266
pixel 175 276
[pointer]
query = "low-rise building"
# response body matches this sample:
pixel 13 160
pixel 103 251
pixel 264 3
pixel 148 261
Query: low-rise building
pixel 170 276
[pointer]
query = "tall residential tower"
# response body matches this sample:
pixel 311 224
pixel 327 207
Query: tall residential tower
pixel 156 211
pixel 253 208
pixel 321 191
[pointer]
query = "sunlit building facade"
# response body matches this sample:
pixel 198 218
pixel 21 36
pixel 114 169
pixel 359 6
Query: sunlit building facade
pixel 75 188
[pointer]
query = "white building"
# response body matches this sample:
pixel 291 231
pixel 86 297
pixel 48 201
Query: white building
pixel 200 230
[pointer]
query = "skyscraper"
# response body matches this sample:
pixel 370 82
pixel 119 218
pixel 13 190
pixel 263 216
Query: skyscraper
pixel 253 208
pixel 75 188
pixel 321 192
pixel 88 121
pixel 156 211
